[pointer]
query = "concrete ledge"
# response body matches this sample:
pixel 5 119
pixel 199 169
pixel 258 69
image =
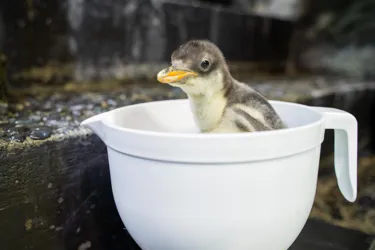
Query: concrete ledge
pixel 56 193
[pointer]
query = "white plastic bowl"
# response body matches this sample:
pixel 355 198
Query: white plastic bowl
pixel 177 189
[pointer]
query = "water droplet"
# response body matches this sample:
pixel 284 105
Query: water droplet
pixel 41 133
pixel 23 122
pixel 112 102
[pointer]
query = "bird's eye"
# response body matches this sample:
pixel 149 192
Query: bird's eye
pixel 205 64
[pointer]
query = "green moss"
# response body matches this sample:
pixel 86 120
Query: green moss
pixel 47 73
pixel 62 74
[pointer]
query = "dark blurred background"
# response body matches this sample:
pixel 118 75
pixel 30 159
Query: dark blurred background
pixel 62 61
pixel 100 39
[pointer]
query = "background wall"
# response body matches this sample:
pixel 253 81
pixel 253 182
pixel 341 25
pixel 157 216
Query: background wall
pixel 104 38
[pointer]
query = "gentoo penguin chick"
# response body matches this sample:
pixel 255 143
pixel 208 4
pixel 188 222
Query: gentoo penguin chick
pixel 220 103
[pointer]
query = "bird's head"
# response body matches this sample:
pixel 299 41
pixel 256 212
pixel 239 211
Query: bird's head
pixel 196 67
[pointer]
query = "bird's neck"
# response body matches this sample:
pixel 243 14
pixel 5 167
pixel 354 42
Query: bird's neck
pixel 208 109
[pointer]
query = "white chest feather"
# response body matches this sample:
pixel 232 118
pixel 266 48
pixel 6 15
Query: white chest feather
pixel 207 100
pixel 208 111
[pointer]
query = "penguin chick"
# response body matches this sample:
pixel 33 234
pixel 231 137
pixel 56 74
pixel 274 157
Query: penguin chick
pixel 220 103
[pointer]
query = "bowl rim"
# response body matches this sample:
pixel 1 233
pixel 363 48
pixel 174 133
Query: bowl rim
pixel 210 135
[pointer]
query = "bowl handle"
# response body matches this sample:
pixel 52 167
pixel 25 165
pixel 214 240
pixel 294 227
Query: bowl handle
pixel 346 143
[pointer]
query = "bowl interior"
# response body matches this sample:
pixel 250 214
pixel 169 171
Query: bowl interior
pixel 175 116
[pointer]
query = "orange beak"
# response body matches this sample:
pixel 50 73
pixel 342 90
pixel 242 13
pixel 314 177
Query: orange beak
pixel 171 75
